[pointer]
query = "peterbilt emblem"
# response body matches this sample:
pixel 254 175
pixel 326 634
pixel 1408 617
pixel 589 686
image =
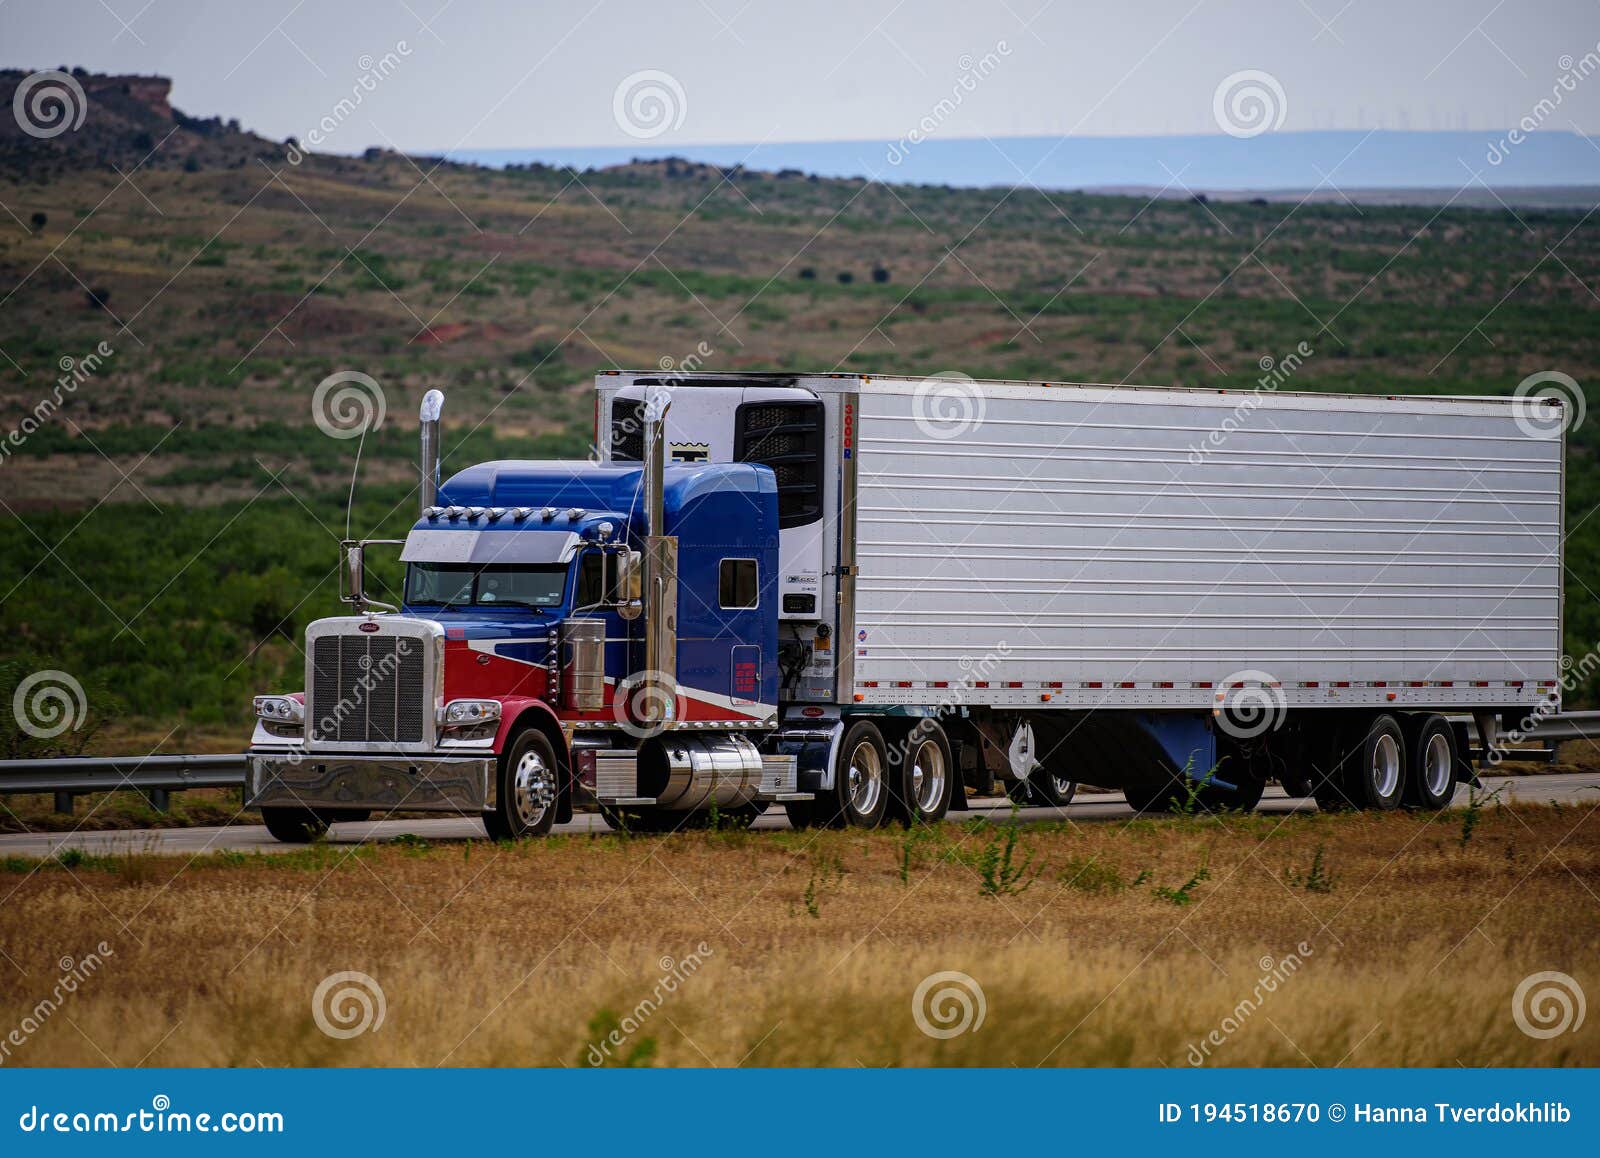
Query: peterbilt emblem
pixel 368 626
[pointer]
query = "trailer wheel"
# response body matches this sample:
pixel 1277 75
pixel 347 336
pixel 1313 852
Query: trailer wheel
pixel 926 776
pixel 526 802
pixel 293 825
pixel 860 795
pixel 1431 782
pixel 1374 771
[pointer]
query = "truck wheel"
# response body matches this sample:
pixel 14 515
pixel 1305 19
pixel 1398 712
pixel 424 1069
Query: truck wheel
pixel 860 795
pixel 1431 782
pixel 1375 772
pixel 1162 798
pixel 926 775
pixel 1051 788
pixel 1243 797
pixel 293 825
pixel 526 804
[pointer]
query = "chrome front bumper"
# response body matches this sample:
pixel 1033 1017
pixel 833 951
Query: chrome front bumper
pixel 420 783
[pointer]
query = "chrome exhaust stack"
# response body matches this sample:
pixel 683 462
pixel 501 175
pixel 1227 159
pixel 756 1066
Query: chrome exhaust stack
pixel 429 455
pixel 657 691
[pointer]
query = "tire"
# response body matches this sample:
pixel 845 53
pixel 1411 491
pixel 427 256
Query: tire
pixel 1374 772
pixel 1431 766
pixel 525 804
pixel 924 780
pixel 1174 796
pixel 801 813
pixel 1243 797
pixel 293 825
pixel 1019 793
pixel 1296 783
pixel 1050 788
pixel 1162 798
pixel 860 794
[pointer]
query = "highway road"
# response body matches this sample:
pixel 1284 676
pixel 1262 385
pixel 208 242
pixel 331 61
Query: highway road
pixel 1576 788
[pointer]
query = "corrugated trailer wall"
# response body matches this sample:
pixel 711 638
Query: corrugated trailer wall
pixel 1079 546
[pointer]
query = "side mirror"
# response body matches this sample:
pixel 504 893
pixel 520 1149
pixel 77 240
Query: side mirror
pixel 355 574
pixel 630 585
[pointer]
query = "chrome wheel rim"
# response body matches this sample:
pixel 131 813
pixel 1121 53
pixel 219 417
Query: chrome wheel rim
pixel 1436 765
pixel 1385 766
pixel 864 778
pixel 532 789
pixel 927 776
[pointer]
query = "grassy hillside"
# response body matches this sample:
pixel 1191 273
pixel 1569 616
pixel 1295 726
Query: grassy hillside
pixel 168 531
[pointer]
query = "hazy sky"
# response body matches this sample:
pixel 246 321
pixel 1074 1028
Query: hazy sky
pixel 491 73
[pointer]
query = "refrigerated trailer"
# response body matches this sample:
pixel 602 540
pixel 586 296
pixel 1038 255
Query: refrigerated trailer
pixel 865 597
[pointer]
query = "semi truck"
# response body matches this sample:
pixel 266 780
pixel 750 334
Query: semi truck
pixel 871 598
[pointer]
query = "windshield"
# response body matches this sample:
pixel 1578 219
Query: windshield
pixel 485 585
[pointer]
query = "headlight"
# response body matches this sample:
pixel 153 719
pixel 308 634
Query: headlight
pixel 279 709
pixel 469 713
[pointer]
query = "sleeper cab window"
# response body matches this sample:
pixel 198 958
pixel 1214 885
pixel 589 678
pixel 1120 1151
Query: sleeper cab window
pixel 737 583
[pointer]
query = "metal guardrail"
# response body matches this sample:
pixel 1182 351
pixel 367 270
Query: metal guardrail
pixel 155 776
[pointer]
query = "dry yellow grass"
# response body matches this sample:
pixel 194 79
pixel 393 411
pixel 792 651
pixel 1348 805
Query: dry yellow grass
pixel 1409 949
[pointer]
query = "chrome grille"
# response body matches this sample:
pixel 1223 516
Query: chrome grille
pixel 367 689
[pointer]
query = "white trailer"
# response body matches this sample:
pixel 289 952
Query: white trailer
pixel 1146 587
